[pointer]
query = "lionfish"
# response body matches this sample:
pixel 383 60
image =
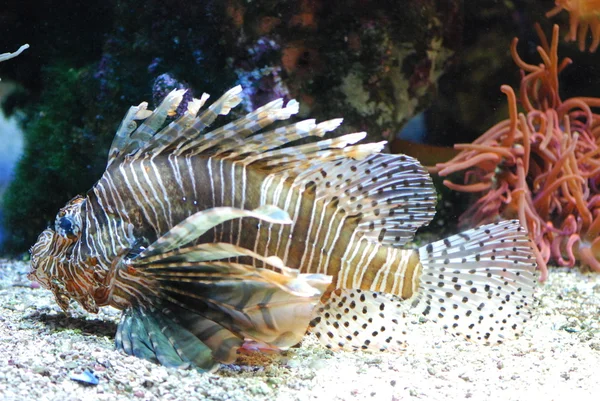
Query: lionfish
pixel 210 238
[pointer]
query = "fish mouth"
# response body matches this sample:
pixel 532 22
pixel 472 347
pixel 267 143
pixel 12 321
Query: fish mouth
pixel 39 269
pixel 64 289
pixel 38 274
pixel 48 266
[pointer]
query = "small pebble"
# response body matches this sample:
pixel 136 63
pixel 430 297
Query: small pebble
pixel 86 377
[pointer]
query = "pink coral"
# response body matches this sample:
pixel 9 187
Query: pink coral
pixel 541 165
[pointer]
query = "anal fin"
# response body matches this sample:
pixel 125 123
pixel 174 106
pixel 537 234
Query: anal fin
pixel 360 320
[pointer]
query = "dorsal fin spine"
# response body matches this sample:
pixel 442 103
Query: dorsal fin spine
pixel 329 208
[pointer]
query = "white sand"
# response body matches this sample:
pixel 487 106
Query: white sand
pixel 558 358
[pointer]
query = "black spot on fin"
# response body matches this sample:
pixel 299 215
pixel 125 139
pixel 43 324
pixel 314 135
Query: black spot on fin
pixel 360 320
pixel 479 283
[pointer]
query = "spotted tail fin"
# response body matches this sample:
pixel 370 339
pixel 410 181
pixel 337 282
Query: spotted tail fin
pixel 479 283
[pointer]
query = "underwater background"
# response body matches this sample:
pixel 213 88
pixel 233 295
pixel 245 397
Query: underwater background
pixel 424 75
pixel 414 73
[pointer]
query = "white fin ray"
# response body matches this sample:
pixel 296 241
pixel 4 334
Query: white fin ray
pixel 239 139
pixel 281 136
pixel 306 151
pixel 298 163
pixel 222 107
pixel 394 194
pixel 238 127
pixel 174 131
pixel 479 283
pixel 147 139
pixel 243 127
pixel 155 121
pixel 127 126
pixel 169 135
pixel 195 105
pixel 264 141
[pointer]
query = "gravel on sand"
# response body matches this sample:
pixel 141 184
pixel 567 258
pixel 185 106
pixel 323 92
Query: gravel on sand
pixel 42 351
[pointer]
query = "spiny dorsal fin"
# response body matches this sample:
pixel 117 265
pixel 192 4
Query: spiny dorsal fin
pixel 360 320
pixel 393 193
pixel 132 139
pixel 186 136
pixel 247 125
pixel 262 142
pixel 174 132
pixel 142 136
pixel 126 128
pixel 151 125
pixel 480 282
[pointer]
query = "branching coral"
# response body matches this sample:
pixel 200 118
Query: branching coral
pixel 541 165
pixel 583 15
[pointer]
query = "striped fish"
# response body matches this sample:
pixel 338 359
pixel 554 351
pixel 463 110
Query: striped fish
pixel 207 238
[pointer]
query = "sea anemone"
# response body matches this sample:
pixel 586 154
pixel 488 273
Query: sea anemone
pixel 583 15
pixel 541 165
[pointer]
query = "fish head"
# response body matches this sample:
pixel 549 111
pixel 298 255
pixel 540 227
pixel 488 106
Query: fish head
pixel 52 259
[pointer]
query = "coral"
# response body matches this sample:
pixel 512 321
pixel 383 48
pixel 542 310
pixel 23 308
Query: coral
pixel 8 56
pixel 541 165
pixel 584 15
pixel 376 64
pixel 260 75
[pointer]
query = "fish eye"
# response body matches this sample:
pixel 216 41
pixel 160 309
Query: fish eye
pixel 64 226
pixel 68 219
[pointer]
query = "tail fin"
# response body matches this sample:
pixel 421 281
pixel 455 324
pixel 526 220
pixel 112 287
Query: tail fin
pixel 479 283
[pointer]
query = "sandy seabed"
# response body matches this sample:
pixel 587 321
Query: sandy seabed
pixel 558 357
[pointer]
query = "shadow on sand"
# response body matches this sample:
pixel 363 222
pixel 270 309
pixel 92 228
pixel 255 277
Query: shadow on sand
pixel 90 327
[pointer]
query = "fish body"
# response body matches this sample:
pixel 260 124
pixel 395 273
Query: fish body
pixel 205 238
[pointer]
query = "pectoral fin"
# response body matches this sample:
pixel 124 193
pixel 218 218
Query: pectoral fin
pixel 200 304
pixel 272 305
pixel 148 333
